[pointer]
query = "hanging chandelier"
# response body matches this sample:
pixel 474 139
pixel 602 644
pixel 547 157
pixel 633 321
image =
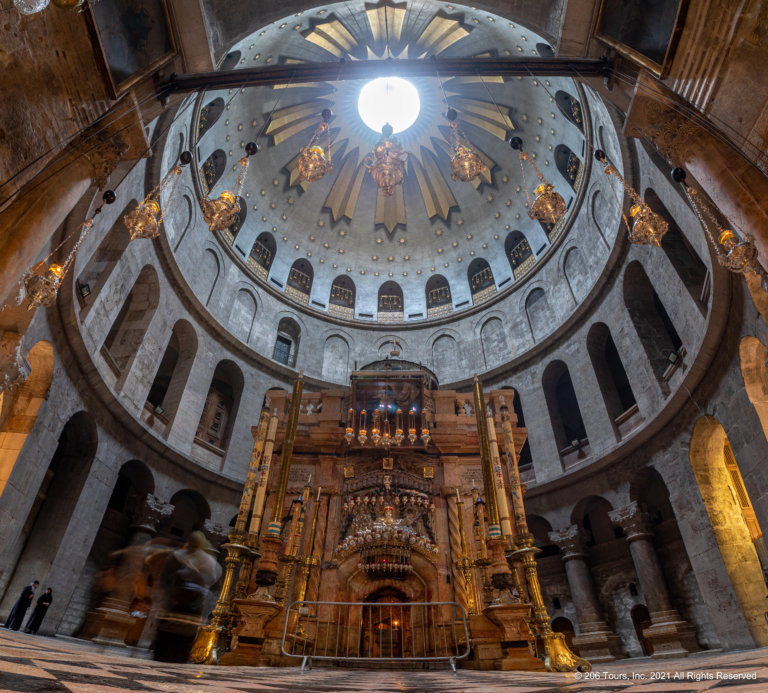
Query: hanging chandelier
pixel 548 206
pixel 380 433
pixel 314 161
pixel 466 164
pixel 220 213
pixel 145 220
pixel 42 288
pixel 386 162
pixel 737 253
pixel 647 227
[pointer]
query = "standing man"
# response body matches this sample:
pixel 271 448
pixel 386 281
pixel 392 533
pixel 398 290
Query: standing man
pixel 37 615
pixel 20 607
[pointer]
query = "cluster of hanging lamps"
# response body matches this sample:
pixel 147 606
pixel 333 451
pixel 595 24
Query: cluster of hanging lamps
pixel 221 212
pixel 381 433
pixel 548 206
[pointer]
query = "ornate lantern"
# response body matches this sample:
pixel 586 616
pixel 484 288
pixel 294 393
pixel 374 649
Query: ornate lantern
pixel 647 227
pixel 220 212
pixel 548 206
pixel 314 161
pixel 386 161
pixel 466 164
pixel 145 220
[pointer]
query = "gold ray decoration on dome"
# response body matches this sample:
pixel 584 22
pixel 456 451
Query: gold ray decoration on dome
pixel 441 33
pixel 435 191
pixel 334 37
pixel 292 120
pixel 390 209
pixel 386 21
pixel 342 199
pixel 483 114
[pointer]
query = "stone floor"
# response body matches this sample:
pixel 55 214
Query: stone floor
pixel 35 663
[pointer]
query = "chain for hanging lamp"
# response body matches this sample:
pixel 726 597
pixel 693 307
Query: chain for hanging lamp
pixel 386 161
pixel 314 161
pixel 42 288
pixel 145 220
pixel 548 206
pixel 466 164
pixel 647 227
pixel 736 252
pixel 221 212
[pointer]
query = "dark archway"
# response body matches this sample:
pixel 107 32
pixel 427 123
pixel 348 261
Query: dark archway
pixel 564 410
pixel 519 253
pixel 221 404
pixel 480 278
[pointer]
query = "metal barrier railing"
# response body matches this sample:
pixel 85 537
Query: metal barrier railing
pixel 376 632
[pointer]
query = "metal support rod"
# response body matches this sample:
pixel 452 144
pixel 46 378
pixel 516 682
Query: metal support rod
pixel 301 73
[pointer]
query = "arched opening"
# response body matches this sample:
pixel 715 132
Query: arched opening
pixel 286 348
pixel 190 511
pixel 390 305
pixel 384 627
pixel 208 275
pixel 684 259
pixel 243 315
pixel 641 619
pixel 519 253
pixel 445 357
pixel 540 318
pixel 570 107
pixel 732 518
pixel 230 61
pixel 262 254
pixel 341 301
pixel 213 169
pixel 209 114
pixel 564 413
pixel 220 408
pixel 23 408
pixel 438 295
pixel 525 459
pixel 568 164
pixel 300 278
pixel 754 356
pixel 480 278
pixel 576 273
pixel 612 378
pixel 336 359
pixel 657 334
pixel 591 514
pixel 493 339
pixel 128 330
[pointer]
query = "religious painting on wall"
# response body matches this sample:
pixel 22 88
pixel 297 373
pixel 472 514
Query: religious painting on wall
pixel 134 37
pixel 646 31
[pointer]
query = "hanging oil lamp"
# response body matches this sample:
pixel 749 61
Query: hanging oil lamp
pixel 647 227
pixel 399 427
pixel 349 431
pixel 314 161
pixel 220 213
pixel 466 164
pixel 145 220
pixel 386 162
pixel 548 206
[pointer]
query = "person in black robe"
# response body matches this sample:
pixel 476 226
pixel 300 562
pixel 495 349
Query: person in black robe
pixel 16 617
pixel 39 613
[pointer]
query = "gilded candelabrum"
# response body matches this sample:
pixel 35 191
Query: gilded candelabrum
pixel 464 562
pixel 386 162
pixel 308 561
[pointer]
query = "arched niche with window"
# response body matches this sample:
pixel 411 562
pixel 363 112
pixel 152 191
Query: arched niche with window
pixel 570 107
pixel 341 301
pixel 438 295
pixel 519 253
pixel 300 277
pixel 480 278
pixel 262 254
pixel 209 114
pixel 213 169
pixel 657 333
pixel 243 315
pixel 683 258
pixel 336 359
pixel 612 378
pixel 568 164
pixel 390 305
pixel 493 339
pixel 128 330
pixel 286 348
pixel 237 224
pixel 445 357
pixel 565 413
pixel 220 408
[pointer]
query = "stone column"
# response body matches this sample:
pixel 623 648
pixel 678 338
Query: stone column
pixel 668 634
pixel 596 642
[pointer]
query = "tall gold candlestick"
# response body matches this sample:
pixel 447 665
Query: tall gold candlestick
pixel 498 478
pixel 253 472
pixel 494 524
pixel 259 500
pixel 465 562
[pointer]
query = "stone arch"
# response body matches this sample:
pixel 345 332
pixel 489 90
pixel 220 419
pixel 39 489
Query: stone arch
pixel 100 265
pixel 493 339
pixel 591 515
pixel 754 356
pixel 390 298
pixel 243 315
pixel 576 273
pixel 596 209
pixel 210 268
pixel 20 412
pixel 286 348
pixel 336 359
pixel 541 528
pixel 480 278
pixel 540 317
pixel 563 407
pixel 263 250
pixel 209 114
pixel 131 323
pixel 190 511
pixel 445 356
pixel 519 253
pixel 570 107
pixel 725 498
pixel 300 279
pixel 568 164
pixel 189 215
pixel 213 169
pixel 221 404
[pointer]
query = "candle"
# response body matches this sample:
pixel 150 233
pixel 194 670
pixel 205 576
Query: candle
pixel 319 488
pixel 458 497
pixel 309 478
pixel 473 484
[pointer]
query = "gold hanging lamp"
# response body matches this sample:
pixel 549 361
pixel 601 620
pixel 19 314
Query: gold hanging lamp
pixel 647 227
pixel 466 164
pixel 548 206
pixel 42 288
pixel 220 213
pixel 145 220
pixel 314 161
pixel 386 161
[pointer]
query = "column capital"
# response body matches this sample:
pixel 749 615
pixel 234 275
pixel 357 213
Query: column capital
pixel 103 157
pixel 632 520
pixel 570 541
pixel 148 513
pixel 215 533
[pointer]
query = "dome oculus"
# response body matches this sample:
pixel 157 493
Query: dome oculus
pixel 390 100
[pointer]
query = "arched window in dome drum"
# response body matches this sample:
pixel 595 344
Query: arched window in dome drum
pixel 438 294
pixel 300 278
pixel 237 224
pixel 209 114
pixel 390 301
pixel 230 61
pixel 341 302
pixel 480 277
pixel 570 108
pixel 286 348
pixel 262 254
pixel 564 412
pixel 213 169
pixel 568 164
pixel 545 50
pixel 220 406
pixel 519 253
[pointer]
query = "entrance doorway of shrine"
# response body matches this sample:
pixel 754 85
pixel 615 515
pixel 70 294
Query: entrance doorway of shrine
pixel 386 624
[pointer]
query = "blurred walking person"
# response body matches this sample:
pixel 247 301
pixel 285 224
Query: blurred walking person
pixel 38 614
pixel 16 617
